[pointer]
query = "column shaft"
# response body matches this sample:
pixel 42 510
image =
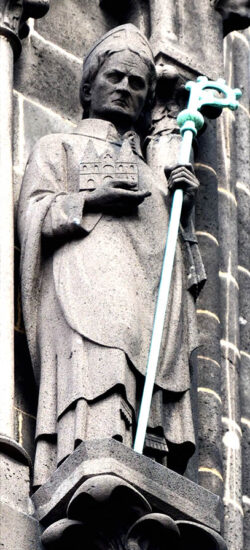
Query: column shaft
pixel 6 241
pixel 164 20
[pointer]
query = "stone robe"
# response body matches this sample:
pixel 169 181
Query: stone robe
pixel 89 287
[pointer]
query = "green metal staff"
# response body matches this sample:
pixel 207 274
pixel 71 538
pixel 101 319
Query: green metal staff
pixel 202 93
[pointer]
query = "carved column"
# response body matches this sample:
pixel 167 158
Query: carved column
pixel 14 461
pixel 164 18
pixel 6 243
pixel 12 27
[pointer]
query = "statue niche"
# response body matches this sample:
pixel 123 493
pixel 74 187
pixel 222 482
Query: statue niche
pixel 92 224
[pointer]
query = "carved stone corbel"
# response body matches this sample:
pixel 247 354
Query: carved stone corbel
pixel 107 513
pixel 99 515
pixel 13 17
pixel 235 14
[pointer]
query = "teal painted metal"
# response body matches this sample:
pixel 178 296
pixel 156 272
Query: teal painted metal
pixel 202 93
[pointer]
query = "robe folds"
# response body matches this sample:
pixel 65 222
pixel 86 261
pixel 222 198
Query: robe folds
pixel 89 287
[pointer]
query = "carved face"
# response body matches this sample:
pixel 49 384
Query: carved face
pixel 120 89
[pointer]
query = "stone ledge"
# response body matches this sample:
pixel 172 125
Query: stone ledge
pixel 166 491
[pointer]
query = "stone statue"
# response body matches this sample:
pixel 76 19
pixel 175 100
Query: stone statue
pixel 92 223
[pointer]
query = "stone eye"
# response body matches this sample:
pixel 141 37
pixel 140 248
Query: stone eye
pixel 114 77
pixel 136 82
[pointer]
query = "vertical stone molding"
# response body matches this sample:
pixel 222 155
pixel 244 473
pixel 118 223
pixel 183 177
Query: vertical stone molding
pixel 12 19
pixel 210 472
pixel 240 59
pixel 6 241
pixel 164 18
pixel 14 462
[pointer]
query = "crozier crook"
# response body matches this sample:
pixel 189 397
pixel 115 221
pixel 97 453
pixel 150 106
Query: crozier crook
pixel 190 120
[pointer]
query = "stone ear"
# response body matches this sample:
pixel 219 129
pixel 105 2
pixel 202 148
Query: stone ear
pixel 86 92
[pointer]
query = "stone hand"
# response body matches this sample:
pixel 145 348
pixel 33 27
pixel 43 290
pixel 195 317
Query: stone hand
pixel 182 177
pixel 116 197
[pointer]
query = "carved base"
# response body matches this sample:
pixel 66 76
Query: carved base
pixel 108 513
pixel 104 494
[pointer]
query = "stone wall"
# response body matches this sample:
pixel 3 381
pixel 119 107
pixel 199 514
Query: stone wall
pixel 46 85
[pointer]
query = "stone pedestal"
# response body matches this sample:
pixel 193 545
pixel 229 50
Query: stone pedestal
pixel 105 490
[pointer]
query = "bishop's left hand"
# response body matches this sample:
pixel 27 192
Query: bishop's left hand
pixel 183 177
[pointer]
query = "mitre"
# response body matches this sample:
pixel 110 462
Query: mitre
pixel 118 39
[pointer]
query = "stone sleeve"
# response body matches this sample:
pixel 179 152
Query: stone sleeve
pixel 65 216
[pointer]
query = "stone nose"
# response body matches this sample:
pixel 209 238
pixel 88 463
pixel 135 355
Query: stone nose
pixel 124 84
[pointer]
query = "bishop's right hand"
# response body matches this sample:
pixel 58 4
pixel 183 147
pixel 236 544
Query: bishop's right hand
pixel 116 197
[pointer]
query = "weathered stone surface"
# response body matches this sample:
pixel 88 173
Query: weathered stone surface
pixel 106 321
pixel 210 459
pixel 34 121
pixel 166 491
pixel 56 31
pixel 241 48
pixel 40 69
pixel 188 49
pixel 19 531
pixel 31 122
pixel 107 513
pixel 246 509
pixel 75 25
pixel 209 370
pixel 14 478
pixel 39 122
